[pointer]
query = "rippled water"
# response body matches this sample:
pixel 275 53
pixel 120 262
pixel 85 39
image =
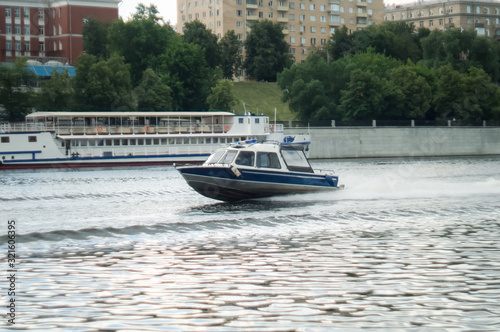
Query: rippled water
pixel 410 244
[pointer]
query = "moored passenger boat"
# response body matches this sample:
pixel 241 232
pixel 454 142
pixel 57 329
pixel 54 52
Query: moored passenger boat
pixel 80 139
pixel 252 170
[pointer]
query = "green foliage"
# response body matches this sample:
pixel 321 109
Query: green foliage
pixel 102 85
pixel 187 74
pixel 56 93
pixel 15 92
pixel 230 49
pixel 141 42
pixel 465 96
pixel 95 38
pixel 195 32
pixel 340 44
pixel 221 98
pixel 152 94
pixel 267 52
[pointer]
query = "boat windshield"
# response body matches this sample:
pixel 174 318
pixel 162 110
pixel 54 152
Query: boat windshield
pixel 296 160
pixel 268 160
pixel 229 157
pixel 245 158
pixel 214 158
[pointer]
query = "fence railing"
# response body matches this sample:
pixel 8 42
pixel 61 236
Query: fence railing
pixel 392 123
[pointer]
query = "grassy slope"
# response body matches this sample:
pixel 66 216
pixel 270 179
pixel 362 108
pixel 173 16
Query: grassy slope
pixel 261 97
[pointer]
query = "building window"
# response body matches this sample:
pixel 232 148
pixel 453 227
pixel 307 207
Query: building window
pixel 8 45
pixel 313 41
pixel 478 10
pixel 322 19
pixel 60 29
pixel 54 30
pixel 302 6
pixel 323 30
pixel 440 21
pixel 304 51
pixel 292 5
pixel 41 31
pixel 313 18
pixel 351 10
pixel 292 40
pixel 313 29
pixel 421 24
pixel 270 14
pixel 41 47
pixel 27 46
pixel 322 8
pixel 18 29
pixel 17 12
pixel 239 13
pixel 312 6
pixel 292 28
pixel 8 28
pixel 302 28
pixel 431 12
pixel 239 24
pixel 302 40
pixel 60 45
pixel 8 13
pixel 27 30
pixel 40 13
pixel 468 10
pixel 302 18
pixel 18 45
pixel 292 50
pixel 431 23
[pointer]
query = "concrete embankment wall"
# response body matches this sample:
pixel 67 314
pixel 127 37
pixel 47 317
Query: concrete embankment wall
pixel 359 142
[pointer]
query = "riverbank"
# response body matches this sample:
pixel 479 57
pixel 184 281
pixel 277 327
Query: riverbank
pixel 370 142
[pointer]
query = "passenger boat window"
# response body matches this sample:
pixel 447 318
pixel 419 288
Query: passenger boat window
pixel 178 141
pixel 140 141
pixel 116 142
pixel 213 159
pixel 148 141
pixel 215 140
pixel 240 120
pixel 156 141
pixel 108 142
pixel 83 142
pixel 132 141
pixel 256 120
pixel 124 141
pixel 5 139
pixel 296 160
pixel 32 139
pixel 186 140
pixel 91 142
pixel 101 142
pixel 208 140
pixel 229 157
pixel 73 143
pixel 268 160
pixel 163 141
pixel 245 158
pixel 171 141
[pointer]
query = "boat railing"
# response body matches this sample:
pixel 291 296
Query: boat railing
pixel 323 171
pixel 104 129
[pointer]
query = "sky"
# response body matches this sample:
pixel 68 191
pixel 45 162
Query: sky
pixel 167 9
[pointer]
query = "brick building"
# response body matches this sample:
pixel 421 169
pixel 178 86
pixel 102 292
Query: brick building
pixel 480 15
pixel 49 29
pixel 307 24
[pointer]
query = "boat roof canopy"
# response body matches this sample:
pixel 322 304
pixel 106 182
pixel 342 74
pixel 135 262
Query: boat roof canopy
pixel 38 115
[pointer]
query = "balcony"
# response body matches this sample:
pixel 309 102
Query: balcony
pixel 282 19
pixel 365 15
pixel 361 3
pixel 252 17
pixel 252 4
pixel 334 24
pixel 285 31
pixel 282 8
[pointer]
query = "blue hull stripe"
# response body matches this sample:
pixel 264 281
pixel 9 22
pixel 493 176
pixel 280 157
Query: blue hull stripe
pixel 89 159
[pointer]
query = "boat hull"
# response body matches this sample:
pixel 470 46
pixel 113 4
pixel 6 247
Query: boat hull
pixel 229 184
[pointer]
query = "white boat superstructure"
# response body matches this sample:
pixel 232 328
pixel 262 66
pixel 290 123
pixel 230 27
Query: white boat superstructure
pixel 77 139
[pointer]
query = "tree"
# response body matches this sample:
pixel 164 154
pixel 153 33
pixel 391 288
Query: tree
pixel 185 71
pixel 221 98
pixel 416 90
pixel 152 94
pixel 267 52
pixel 141 41
pixel 341 44
pixel 230 51
pixel 102 85
pixel 95 38
pixel 56 94
pixel 196 32
pixel 15 90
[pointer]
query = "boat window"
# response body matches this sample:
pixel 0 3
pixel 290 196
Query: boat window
pixel 83 142
pixel 73 143
pixel 116 142
pixel 229 157
pixel 240 120
pixel 215 140
pixel 268 160
pixel 132 141
pixel 178 140
pixel 163 141
pixel 140 141
pixel 256 120
pixel 148 141
pixel 5 139
pixel 186 140
pixel 245 158
pixel 171 141
pixel 156 141
pixel 101 142
pixel 214 158
pixel 32 139
pixel 108 142
pixel 91 142
pixel 124 141
pixel 296 160
pixel 208 140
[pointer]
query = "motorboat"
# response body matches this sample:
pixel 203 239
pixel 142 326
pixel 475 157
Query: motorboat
pixel 248 169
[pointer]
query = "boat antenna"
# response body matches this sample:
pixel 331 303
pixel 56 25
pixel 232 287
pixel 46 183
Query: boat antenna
pixel 274 132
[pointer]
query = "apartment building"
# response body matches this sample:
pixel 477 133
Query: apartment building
pixel 307 24
pixel 49 29
pixel 481 15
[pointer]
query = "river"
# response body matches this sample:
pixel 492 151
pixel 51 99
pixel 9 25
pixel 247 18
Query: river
pixel 410 244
